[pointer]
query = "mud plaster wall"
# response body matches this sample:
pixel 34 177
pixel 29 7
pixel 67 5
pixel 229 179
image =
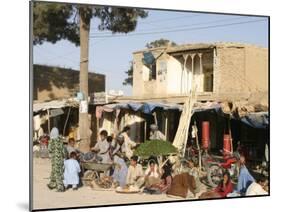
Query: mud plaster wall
pixel 230 70
pixel 54 83
pixel 241 70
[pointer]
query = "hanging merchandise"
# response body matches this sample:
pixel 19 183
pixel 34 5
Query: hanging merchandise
pixel 205 134
pixel 36 122
pixel 226 143
pixel 99 110
pixel 83 108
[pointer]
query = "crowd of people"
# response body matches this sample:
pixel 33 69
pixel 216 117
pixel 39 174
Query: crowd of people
pixel 128 172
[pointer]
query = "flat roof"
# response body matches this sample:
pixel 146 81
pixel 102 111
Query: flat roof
pixel 196 46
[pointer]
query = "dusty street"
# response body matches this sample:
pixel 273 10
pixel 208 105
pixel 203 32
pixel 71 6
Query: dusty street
pixel 85 196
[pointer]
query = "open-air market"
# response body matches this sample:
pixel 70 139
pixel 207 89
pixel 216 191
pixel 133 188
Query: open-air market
pixel 194 125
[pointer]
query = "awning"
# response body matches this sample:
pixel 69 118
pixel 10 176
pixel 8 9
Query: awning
pixel 146 108
pixel 55 104
pixel 256 120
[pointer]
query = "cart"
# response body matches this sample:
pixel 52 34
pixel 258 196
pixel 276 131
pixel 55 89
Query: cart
pixel 92 172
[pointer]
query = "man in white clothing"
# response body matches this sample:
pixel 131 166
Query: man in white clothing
pixel 156 134
pixel 102 147
pixel 135 175
pixel 128 143
pixel 257 188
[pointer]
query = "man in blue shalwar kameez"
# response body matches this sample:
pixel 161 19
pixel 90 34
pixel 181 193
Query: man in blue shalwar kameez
pixel 244 179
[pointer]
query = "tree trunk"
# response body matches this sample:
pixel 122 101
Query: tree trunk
pixel 84 56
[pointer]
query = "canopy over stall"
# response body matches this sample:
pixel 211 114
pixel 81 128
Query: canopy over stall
pixel 55 104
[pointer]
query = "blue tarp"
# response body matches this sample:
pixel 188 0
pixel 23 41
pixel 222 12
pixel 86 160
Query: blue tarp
pixel 146 108
pixel 256 120
pixel 215 107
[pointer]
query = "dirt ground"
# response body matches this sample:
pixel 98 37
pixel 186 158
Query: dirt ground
pixel 84 196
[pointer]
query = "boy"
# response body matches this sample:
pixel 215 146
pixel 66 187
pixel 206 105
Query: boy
pixel 135 175
pixel 102 147
pixel 71 147
pixel 71 171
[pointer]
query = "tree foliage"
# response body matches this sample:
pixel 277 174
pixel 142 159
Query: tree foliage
pixel 53 22
pixel 155 148
pixel 129 72
pixel 160 43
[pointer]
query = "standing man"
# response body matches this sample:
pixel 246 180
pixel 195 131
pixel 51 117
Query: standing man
pixel 128 143
pixel 102 147
pixel 156 134
pixel 58 154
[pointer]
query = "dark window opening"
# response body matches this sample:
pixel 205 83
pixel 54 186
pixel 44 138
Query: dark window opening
pixel 152 72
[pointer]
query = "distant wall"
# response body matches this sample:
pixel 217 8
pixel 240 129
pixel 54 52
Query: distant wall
pixel 241 69
pixel 230 72
pixel 55 83
pixel 142 86
pixel 257 68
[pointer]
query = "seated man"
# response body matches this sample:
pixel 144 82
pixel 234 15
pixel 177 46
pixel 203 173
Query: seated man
pixel 257 188
pixel 152 174
pixel 135 175
pixel 156 134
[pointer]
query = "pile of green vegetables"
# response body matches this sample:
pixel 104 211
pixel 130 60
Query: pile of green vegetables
pixel 156 148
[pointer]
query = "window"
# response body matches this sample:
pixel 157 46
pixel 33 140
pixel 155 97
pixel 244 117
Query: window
pixel 152 72
pixel 208 81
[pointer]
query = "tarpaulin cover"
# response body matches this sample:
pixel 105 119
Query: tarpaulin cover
pixel 146 108
pixel 206 107
pixel 55 104
pixel 256 120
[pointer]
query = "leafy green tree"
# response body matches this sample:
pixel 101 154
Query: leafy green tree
pixel 129 79
pixel 53 22
pixel 160 43
pixel 154 44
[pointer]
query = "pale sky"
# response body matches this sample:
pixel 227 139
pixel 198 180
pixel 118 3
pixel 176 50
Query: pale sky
pixel 110 55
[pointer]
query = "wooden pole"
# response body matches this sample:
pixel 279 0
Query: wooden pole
pixel 166 125
pixel 198 147
pixel 145 125
pixel 48 112
pixel 69 109
pixel 83 77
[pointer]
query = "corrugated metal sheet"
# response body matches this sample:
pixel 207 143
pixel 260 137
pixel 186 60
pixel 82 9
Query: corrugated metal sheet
pixel 54 104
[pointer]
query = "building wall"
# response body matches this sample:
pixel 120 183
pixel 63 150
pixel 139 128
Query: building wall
pixel 241 70
pixel 138 76
pixel 142 86
pixel 257 66
pixel 55 83
pixel 230 70
pixel 177 79
pixel 236 69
